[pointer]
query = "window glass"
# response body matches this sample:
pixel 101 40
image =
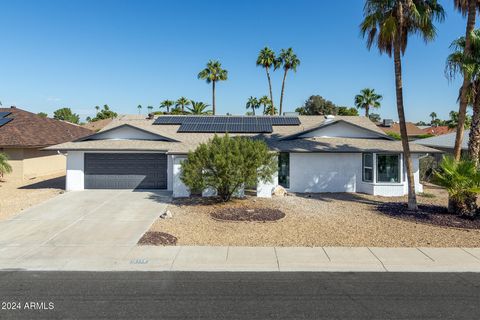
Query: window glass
pixel 388 168
pixel 284 169
pixel 367 174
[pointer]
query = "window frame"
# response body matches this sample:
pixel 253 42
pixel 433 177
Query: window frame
pixel 399 161
pixel 372 168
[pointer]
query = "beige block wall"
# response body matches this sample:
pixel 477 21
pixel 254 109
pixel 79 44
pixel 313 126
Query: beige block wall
pixel 32 163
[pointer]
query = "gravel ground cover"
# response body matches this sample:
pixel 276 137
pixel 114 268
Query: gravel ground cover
pixel 336 219
pixel 16 196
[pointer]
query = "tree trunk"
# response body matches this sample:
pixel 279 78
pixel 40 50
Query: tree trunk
pixel 281 95
pixel 270 88
pixel 474 142
pixel 213 98
pixel 462 111
pixel 412 197
pixel 367 111
pixel 183 108
pixel 253 108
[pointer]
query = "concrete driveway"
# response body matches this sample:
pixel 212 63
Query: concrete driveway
pixel 85 225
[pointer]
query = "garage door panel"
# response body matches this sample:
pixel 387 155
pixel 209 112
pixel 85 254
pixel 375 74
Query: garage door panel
pixel 125 171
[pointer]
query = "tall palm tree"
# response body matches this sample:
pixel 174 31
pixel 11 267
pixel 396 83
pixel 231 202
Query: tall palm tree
pixel 266 59
pixel 270 110
pixel 252 103
pixel 150 108
pixel 167 104
pixel 434 116
pixel 468 65
pixel 367 99
pixel 212 74
pixel 139 107
pixel 468 8
pixel 5 167
pixel 182 102
pixel 288 60
pixel 199 108
pixel 388 24
pixel 265 102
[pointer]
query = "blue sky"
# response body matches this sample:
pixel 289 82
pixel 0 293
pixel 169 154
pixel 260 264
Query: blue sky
pixel 123 53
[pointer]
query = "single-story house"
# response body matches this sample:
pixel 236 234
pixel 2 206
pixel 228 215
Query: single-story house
pixel 23 135
pixel 315 153
pixel 438 130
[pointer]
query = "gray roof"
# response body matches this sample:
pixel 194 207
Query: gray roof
pixel 445 141
pixel 184 142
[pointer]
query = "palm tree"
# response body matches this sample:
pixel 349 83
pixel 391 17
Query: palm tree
pixel 434 116
pixel 288 60
pixel 367 99
pixel 211 74
pixel 388 23
pixel 266 59
pixel 167 104
pixel 5 167
pixel 139 107
pixel 270 110
pixel 469 66
pixel 97 108
pixel 265 102
pixel 150 108
pixel 182 102
pixel 468 8
pixel 252 103
pixel 199 108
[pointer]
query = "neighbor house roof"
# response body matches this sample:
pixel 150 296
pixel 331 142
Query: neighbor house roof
pixel 97 125
pixel 28 130
pixel 445 141
pixel 438 130
pixel 187 141
pixel 412 129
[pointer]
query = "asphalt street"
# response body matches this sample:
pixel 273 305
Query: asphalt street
pixel 188 295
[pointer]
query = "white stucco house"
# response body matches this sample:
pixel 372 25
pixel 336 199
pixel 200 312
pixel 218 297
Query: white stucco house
pixel 315 153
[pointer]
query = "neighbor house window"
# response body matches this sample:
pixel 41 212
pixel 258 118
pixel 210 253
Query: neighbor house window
pixel 388 168
pixel 284 169
pixel 367 174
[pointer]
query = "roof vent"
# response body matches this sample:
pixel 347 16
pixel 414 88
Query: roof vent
pixel 329 117
pixel 387 122
pixel 150 116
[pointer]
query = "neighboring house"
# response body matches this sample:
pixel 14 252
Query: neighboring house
pixel 97 125
pixel 22 136
pixel 445 143
pixel 413 132
pixel 316 154
pixel 437 130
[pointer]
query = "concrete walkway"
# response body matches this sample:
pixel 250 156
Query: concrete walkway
pixel 149 258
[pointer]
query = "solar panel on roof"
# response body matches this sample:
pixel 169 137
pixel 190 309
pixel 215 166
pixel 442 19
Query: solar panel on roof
pixel 4 121
pixel 4 114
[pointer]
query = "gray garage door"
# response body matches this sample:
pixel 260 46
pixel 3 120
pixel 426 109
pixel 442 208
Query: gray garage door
pixel 125 171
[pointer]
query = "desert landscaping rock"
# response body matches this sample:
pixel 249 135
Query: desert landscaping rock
pixel 250 215
pixel 350 220
pixel 155 238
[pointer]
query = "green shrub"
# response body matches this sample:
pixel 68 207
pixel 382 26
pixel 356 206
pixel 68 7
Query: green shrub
pixel 226 164
pixel 462 181
pixel 5 167
pixel 395 135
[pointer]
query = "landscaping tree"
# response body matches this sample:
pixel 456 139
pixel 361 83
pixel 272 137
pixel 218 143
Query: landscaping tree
pixel 5 167
pixel 104 113
pixel 462 181
pixel 346 111
pixel 375 117
pixel 367 99
pixel 317 105
pixel 265 102
pixel 266 59
pixel 167 104
pixel 212 74
pixel 199 108
pixel 181 103
pixel 252 103
pixel 226 164
pixel 388 24
pixel 288 60
pixel 42 114
pixel 66 114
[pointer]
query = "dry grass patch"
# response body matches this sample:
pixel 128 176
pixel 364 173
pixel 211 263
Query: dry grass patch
pixel 312 220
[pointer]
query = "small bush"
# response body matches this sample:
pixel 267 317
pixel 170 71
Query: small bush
pixel 227 164
pixel 395 135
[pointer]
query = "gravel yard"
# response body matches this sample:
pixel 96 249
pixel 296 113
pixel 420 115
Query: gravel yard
pixel 17 196
pixel 319 220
